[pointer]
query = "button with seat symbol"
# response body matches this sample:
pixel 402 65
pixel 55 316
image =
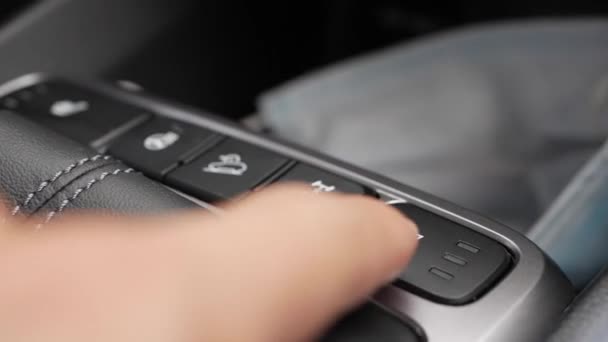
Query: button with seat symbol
pixel 227 170
pixel 158 146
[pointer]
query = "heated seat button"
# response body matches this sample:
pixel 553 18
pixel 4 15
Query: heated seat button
pixel 76 112
pixel 453 264
pixel 225 171
pixel 323 181
pixel 156 147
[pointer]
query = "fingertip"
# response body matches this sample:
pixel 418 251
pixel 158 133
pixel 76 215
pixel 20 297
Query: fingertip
pixel 400 227
pixel 362 229
pixel 321 253
pixel 404 226
pixel 397 234
pixel 346 214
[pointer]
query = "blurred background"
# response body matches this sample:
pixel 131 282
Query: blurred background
pixel 469 91
pixel 234 50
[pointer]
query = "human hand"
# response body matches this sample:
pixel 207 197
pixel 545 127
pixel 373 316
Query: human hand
pixel 281 265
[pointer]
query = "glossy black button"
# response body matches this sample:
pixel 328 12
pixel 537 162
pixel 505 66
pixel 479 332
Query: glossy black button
pixel 73 111
pixel 156 147
pixel 453 264
pixel 323 181
pixel 225 171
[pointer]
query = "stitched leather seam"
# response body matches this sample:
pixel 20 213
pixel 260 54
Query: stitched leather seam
pixel 80 191
pixel 93 171
pixel 57 175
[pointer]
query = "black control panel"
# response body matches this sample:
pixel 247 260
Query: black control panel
pixel 455 265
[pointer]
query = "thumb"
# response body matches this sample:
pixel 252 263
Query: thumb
pixel 293 261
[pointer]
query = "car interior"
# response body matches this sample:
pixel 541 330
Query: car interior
pixel 152 105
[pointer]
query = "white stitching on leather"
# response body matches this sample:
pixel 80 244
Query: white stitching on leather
pixel 78 192
pixel 50 181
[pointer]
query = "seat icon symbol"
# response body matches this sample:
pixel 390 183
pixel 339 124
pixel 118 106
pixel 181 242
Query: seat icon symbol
pixel 160 141
pixel 229 164
pixel 67 108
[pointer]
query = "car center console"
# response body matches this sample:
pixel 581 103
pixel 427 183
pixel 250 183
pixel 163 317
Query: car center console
pixel 470 280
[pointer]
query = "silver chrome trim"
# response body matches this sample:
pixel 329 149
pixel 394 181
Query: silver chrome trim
pixel 21 83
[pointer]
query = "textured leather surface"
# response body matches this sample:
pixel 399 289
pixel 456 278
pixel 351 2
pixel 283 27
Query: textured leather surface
pixel 42 172
pixel 587 319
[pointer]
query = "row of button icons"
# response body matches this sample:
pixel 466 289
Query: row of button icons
pixel 211 167
pixel 188 157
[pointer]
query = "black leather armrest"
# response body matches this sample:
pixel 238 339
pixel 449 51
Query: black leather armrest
pixel 44 173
